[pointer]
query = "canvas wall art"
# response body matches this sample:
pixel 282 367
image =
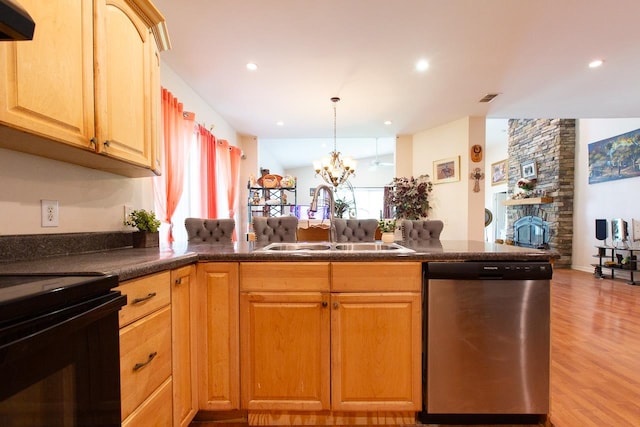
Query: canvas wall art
pixel 615 158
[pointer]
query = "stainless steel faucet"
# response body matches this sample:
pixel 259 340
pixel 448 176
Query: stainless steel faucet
pixel 332 206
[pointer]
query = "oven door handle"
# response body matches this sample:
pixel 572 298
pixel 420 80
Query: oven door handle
pixel 41 331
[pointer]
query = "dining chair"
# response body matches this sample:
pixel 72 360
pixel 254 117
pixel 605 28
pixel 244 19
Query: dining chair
pixel 202 230
pixel 275 229
pixel 421 230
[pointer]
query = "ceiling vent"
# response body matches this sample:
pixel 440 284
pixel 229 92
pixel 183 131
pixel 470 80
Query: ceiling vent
pixel 489 97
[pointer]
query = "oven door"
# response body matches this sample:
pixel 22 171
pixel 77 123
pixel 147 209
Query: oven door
pixel 62 368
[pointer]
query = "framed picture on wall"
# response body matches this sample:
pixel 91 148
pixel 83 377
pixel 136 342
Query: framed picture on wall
pixel 499 172
pixel 529 169
pixel 446 170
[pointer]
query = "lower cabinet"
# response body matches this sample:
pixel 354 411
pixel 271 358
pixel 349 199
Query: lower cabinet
pixel 183 330
pixel 376 336
pixel 158 349
pixel 339 341
pixel 284 313
pixel 218 336
pixel 145 351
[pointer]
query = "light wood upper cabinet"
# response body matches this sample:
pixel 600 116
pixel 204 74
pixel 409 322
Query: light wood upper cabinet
pixel 88 83
pixel 47 83
pixel 218 336
pixel 123 83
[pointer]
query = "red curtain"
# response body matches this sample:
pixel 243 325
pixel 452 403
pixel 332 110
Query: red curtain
pixel 209 181
pixel 235 154
pixel 229 173
pixel 177 126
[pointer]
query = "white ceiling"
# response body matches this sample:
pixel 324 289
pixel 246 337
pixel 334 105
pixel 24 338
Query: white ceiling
pixel 534 53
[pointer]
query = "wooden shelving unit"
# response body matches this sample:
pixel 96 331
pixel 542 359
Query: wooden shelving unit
pixel 528 201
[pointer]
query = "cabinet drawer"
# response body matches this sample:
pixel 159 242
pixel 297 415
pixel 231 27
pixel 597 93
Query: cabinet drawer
pixel 144 296
pixel 376 276
pixel 145 358
pixel 154 411
pixel 284 276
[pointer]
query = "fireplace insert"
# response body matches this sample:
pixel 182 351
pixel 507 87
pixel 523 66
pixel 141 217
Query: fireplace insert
pixel 532 232
pixel 59 351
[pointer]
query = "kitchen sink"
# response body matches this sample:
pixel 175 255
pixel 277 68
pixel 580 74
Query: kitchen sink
pixel 371 246
pixel 297 246
pixel 335 247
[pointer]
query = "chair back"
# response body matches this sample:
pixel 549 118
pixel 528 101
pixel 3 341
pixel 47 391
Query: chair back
pixel 355 230
pixel 209 230
pixel 421 230
pixel 275 229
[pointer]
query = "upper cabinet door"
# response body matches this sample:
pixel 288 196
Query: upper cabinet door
pixel 123 83
pixel 46 85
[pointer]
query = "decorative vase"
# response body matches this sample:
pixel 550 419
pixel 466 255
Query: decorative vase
pixel 146 239
pixel 388 237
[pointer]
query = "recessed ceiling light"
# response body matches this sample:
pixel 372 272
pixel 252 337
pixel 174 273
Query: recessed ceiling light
pixel 388 122
pixel 251 66
pixel 280 123
pixel 422 65
pixel 596 63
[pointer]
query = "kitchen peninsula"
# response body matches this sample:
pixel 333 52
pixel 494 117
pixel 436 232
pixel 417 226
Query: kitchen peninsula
pixel 284 338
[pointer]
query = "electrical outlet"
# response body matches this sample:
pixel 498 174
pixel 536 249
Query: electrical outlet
pixel 49 211
pixel 127 211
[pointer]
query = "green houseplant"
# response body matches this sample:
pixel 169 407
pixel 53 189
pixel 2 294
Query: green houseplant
pixel 341 207
pixel 387 225
pixel 388 228
pixel 147 224
pixel 410 197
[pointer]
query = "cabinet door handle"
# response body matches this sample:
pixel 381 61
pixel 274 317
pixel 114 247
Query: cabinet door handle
pixel 335 305
pixel 179 281
pixel 106 143
pixel 324 303
pixel 139 366
pixel 93 141
pixel 143 299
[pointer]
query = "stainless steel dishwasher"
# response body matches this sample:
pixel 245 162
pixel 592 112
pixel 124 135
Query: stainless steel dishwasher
pixel 487 337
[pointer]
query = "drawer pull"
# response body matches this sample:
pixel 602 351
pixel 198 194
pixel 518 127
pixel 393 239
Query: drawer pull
pixel 143 299
pixel 139 366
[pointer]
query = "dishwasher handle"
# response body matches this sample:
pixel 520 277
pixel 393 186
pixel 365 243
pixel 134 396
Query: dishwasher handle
pixel 488 270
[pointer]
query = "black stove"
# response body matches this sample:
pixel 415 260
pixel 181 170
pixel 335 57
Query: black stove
pixel 26 295
pixel 59 343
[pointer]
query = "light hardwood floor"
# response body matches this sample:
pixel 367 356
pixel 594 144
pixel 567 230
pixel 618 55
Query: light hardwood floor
pixel 595 352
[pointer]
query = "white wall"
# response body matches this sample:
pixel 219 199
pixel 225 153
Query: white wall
pixel 205 115
pixel 495 151
pixel 88 200
pixel 453 202
pixel 607 200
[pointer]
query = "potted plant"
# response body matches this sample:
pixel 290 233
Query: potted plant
pixel 147 224
pixel 341 207
pixel 388 228
pixel 410 197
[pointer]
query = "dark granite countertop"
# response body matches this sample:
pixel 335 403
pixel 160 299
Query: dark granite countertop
pixel 129 263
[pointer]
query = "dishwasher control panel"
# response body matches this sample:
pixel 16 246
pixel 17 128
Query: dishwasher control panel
pixel 488 270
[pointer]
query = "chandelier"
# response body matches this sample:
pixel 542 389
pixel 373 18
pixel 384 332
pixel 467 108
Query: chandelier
pixel 333 169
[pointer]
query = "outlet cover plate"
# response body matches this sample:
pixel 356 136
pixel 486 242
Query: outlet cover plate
pixel 49 210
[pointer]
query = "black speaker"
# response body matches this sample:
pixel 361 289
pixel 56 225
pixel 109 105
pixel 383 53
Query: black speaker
pixel 601 229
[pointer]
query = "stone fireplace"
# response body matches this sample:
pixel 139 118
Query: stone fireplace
pixel 551 144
